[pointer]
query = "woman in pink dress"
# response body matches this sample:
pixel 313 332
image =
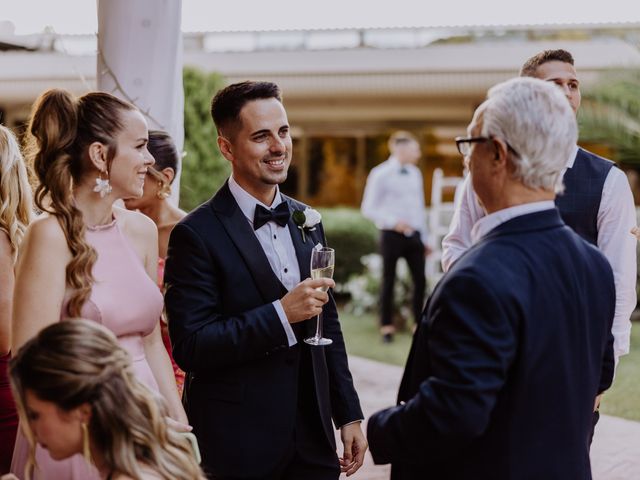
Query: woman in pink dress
pixel 154 204
pixel 15 215
pixel 86 257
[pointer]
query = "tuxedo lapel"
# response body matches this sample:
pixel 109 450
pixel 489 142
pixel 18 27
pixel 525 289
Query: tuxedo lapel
pixel 239 230
pixel 303 254
pixel 303 249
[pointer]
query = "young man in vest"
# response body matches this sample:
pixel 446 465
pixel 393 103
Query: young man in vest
pixel 597 202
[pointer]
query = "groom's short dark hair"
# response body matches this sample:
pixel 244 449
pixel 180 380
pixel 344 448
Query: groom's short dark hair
pixel 227 103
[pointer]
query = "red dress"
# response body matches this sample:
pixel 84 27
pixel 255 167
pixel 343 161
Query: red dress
pixel 8 418
pixel 179 374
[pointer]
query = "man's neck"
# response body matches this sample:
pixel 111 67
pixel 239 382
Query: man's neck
pixel 264 195
pixel 517 195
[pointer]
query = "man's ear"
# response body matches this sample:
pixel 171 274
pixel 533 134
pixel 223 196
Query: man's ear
pixel 98 156
pixel 225 148
pixel 501 150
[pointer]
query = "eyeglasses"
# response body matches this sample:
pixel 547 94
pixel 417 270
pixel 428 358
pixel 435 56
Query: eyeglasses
pixel 464 144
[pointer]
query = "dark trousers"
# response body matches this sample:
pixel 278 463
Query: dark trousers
pixel 394 245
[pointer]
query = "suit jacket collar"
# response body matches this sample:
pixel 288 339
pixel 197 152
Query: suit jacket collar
pixel 536 221
pixel 303 249
pixel 492 220
pixel 241 233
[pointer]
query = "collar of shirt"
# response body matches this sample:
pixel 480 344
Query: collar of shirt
pixel 248 202
pixel 394 164
pixel 487 223
pixel 572 159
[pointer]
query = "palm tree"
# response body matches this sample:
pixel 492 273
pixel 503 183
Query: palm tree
pixel 610 116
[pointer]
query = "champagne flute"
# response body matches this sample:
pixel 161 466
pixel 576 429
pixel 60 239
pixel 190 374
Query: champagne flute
pixel 322 264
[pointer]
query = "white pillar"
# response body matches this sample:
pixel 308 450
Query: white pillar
pixel 140 60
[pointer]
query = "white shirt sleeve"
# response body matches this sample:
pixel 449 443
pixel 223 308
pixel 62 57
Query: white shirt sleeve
pixel 466 214
pixel 291 337
pixel 373 194
pixel 616 217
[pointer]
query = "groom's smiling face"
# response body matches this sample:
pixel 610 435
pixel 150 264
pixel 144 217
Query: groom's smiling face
pixel 260 147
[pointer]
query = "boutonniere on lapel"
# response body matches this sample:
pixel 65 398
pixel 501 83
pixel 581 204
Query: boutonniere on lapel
pixel 306 219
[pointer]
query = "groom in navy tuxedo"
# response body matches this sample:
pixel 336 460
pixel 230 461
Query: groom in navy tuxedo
pixel 515 342
pixel 239 299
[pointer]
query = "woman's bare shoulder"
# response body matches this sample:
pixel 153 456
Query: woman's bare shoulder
pixel 46 230
pixel 135 223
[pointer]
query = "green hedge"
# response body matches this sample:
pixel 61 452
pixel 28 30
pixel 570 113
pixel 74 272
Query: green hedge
pixel 352 236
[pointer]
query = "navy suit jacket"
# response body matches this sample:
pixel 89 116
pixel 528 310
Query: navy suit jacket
pixel 514 345
pixel 241 393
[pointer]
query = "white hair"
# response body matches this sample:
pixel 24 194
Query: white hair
pixel 536 120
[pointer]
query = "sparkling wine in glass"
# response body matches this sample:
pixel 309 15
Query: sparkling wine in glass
pixel 323 260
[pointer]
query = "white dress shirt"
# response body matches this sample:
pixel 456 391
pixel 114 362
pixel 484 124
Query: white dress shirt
pixel 616 217
pixel 277 245
pixel 391 196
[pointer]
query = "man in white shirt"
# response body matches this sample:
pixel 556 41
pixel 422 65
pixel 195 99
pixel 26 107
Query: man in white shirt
pixel 597 202
pixel 394 200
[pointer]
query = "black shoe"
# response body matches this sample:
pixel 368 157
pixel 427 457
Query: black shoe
pixel 387 338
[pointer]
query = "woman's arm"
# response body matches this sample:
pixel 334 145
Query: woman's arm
pixel 40 282
pixel 154 348
pixel 162 369
pixel 7 280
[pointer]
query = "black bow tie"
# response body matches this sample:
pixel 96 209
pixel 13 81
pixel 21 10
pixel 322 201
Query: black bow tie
pixel 280 215
pixel 403 170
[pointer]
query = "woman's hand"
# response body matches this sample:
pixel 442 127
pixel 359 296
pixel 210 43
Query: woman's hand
pixel 175 425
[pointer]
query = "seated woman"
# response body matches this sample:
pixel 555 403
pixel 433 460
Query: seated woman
pixel 76 393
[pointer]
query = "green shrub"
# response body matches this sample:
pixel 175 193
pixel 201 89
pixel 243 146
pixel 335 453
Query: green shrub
pixel 204 169
pixel 352 236
pixel 364 290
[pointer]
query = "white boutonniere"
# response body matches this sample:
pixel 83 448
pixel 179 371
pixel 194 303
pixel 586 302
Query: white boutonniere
pixel 306 219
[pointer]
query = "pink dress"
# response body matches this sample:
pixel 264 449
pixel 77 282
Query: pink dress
pixel 125 300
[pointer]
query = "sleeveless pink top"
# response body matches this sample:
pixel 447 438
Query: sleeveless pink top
pixel 124 298
pixel 126 301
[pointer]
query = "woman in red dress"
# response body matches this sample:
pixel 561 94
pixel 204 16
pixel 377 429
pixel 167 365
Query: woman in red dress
pixel 15 214
pixel 154 204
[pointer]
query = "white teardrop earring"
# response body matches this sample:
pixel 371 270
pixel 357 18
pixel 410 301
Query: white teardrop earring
pixel 102 185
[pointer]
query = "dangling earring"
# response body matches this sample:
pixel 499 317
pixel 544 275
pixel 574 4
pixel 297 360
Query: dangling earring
pixel 86 451
pixel 164 191
pixel 102 185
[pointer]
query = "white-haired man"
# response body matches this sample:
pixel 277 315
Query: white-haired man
pixel 597 202
pixel 503 371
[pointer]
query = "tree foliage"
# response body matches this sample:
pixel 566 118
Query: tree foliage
pixel 204 169
pixel 610 115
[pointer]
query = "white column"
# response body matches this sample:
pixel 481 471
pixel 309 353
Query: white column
pixel 140 60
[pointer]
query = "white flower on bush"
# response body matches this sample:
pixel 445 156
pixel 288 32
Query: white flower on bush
pixel 364 289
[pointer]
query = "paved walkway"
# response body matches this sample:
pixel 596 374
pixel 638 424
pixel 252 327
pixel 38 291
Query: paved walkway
pixel 615 454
